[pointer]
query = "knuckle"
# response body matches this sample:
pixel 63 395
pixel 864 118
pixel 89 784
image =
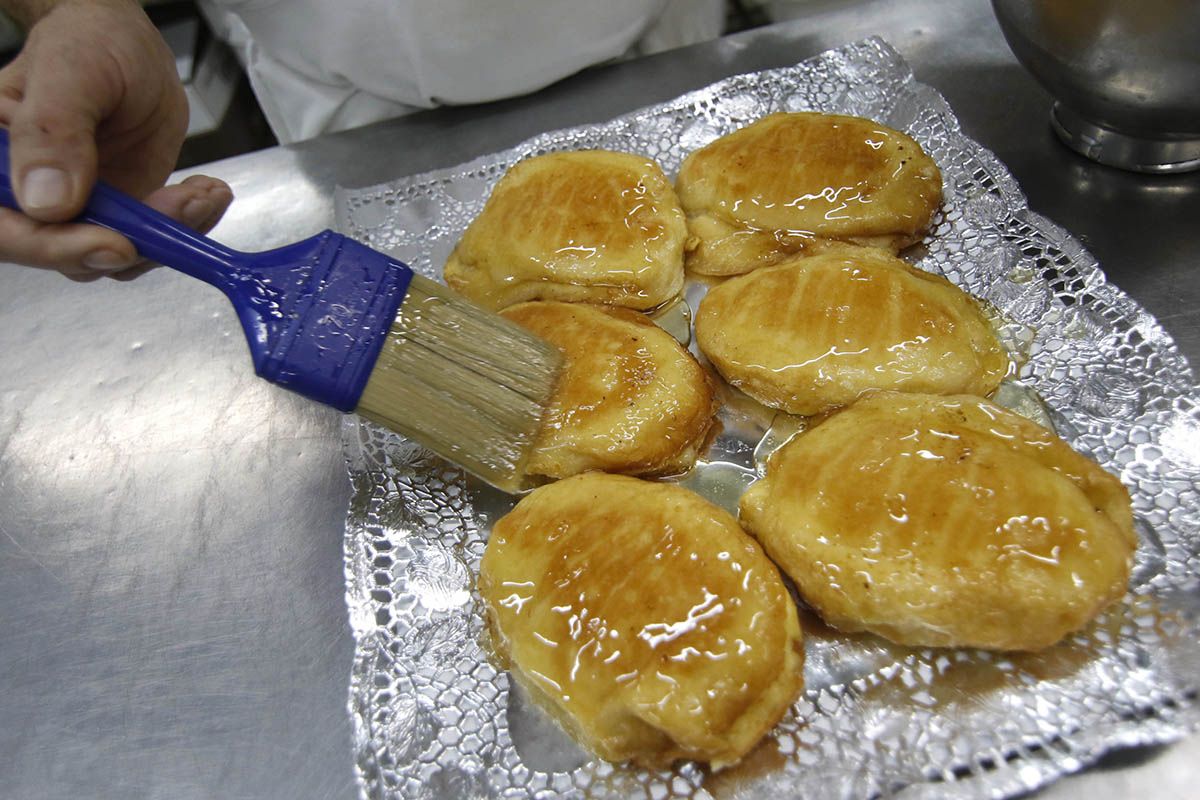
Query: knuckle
pixel 48 125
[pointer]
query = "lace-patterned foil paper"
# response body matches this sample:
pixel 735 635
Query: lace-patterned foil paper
pixel 435 717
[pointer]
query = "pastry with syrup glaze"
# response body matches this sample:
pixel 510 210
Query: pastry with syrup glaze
pixel 585 226
pixel 813 333
pixel 944 522
pixel 629 398
pixel 791 182
pixel 643 618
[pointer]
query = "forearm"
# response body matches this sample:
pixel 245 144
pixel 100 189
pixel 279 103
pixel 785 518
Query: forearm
pixel 27 12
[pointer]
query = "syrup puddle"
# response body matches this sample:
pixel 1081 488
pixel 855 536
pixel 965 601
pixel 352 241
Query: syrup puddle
pixel 538 739
pixel 675 317
pixel 720 482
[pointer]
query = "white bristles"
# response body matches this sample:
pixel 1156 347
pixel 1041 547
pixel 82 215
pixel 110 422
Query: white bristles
pixel 464 382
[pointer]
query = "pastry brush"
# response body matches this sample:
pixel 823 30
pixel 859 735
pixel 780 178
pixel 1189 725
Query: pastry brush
pixel 356 329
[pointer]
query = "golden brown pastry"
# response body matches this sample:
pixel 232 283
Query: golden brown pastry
pixel 587 226
pixel 814 333
pixel 944 522
pixel 643 618
pixel 629 398
pixel 792 182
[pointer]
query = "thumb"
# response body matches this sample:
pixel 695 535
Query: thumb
pixel 52 143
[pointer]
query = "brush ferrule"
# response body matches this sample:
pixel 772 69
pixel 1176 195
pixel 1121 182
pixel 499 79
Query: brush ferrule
pixel 324 342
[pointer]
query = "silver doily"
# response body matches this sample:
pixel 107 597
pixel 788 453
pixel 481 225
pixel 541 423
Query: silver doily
pixel 434 718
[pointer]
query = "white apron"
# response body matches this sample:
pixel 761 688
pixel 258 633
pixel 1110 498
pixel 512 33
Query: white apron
pixel 326 65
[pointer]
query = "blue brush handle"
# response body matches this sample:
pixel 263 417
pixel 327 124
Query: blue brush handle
pixel 316 313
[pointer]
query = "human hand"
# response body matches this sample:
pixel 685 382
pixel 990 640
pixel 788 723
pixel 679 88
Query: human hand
pixel 93 93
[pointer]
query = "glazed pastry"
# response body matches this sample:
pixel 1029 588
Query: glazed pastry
pixel 944 522
pixel 790 183
pixel 629 398
pixel 585 226
pixel 643 618
pixel 810 334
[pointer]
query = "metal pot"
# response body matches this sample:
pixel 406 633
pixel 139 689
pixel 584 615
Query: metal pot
pixel 1125 75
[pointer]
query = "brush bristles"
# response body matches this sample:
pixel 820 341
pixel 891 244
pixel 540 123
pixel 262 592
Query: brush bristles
pixel 464 382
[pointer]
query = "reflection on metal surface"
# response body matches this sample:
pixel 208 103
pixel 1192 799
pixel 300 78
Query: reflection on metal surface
pixel 154 497
pixel 276 201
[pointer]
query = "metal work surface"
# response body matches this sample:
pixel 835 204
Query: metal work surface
pixel 172 621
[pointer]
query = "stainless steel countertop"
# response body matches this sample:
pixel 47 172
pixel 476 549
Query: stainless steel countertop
pixel 172 621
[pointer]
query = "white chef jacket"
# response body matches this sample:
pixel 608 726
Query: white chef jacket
pixel 325 65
